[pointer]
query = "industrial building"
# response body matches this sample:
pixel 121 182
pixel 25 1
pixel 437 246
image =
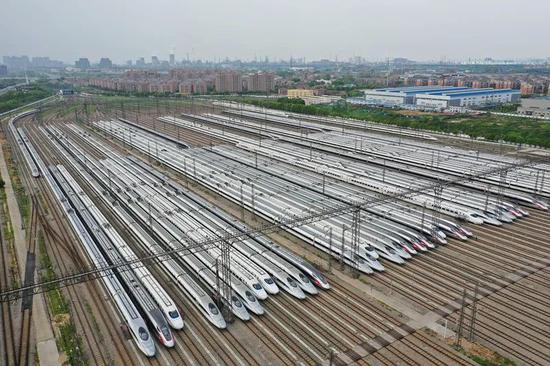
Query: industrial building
pixel 299 93
pixel 536 107
pixel 400 96
pixel 440 97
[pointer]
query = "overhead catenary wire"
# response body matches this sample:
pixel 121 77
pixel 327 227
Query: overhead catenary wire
pixel 15 293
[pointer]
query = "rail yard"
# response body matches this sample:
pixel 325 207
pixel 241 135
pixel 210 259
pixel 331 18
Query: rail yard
pixel 219 233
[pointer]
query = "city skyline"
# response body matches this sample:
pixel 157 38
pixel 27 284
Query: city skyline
pixel 212 30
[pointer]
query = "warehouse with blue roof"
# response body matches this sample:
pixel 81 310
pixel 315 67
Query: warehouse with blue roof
pixel 441 97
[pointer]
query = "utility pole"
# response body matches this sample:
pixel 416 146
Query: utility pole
pixel 242 203
pixel 330 250
pixel 344 228
pixel 501 185
pixel 331 356
pixel 252 201
pixel 461 319
pixel 355 233
pixel 474 314
pixel 437 207
pixel 223 279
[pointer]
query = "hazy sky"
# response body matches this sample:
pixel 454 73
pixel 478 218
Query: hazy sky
pixel 212 29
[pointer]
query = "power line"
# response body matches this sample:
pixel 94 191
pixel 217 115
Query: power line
pixel 14 293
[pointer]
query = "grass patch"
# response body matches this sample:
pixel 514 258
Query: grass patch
pixel 67 338
pixel 71 344
pixel 498 360
pixel 7 234
pixel 21 196
pixel 482 355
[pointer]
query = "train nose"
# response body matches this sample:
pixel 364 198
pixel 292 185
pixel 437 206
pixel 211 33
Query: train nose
pixel 149 350
pixel 176 323
pixel 169 343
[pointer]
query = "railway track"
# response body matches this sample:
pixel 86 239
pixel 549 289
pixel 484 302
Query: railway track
pixel 480 252
pixel 86 320
pixel 228 351
pixel 23 346
pixel 8 336
pixel 26 306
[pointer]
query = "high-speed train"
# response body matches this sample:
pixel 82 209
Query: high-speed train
pixel 180 228
pixel 283 279
pixel 316 276
pixel 238 267
pixel 157 292
pixel 104 237
pixel 196 294
pixel 134 321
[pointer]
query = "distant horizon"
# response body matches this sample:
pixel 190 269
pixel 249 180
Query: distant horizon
pixel 295 59
pixel 424 30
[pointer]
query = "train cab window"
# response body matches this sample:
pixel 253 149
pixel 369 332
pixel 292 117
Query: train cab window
pixel 143 334
pixel 236 301
pixel 213 309
pixel 166 332
pixel 173 314
pixel 269 281
pixel 257 286
pixel 304 278
pixel 249 296
pixel 291 282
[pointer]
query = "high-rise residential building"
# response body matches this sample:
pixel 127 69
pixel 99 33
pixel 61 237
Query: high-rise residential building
pixel 261 82
pixel 45 62
pixel 476 84
pixel 228 82
pixel 3 70
pixel 155 60
pixel 82 63
pixel 17 62
pixel 105 63
pixel 527 89
pixel 172 59
pixel 140 61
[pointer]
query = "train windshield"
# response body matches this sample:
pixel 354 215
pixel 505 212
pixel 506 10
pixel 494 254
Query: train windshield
pixel 166 332
pixel 249 296
pixel 173 314
pixel 304 278
pixel 236 301
pixel 143 334
pixel 291 282
pixel 269 281
pixel 213 309
pixel 257 286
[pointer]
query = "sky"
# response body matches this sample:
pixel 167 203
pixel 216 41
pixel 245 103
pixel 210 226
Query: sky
pixel 278 29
